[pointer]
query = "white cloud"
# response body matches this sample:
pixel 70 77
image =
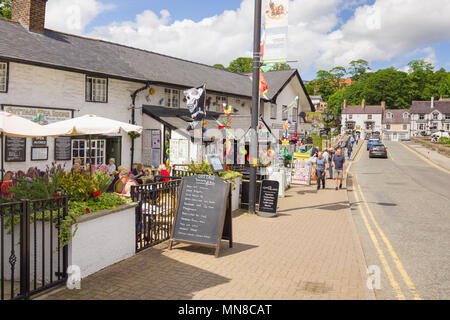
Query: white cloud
pixel 74 15
pixel 379 32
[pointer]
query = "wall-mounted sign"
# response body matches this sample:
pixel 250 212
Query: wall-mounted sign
pixel 39 142
pixel 216 164
pixel 40 115
pixel 156 139
pixel 39 153
pixel 15 149
pixel 63 149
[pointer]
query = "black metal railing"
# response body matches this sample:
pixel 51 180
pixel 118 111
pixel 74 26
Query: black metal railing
pixel 32 257
pixel 155 211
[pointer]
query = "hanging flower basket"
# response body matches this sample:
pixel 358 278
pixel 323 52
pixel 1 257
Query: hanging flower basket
pixel 134 135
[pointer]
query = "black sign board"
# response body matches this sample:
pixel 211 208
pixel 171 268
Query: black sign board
pixel 15 149
pixel 63 149
pixel 324 133
pixel 203 213
pixel 39 142
pixel 216 164
pixel 268 198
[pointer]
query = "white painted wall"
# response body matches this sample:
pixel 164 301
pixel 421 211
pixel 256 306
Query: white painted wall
pixel 360 120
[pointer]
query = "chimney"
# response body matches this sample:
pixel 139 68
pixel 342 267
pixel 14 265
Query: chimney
pixel 383 105
pixel 345 104
pixel 432 102
pixel 30 14
pixel 363 103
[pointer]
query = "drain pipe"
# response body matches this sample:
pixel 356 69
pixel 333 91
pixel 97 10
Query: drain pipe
pixel 133 116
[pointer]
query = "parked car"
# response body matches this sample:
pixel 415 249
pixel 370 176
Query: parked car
pixel 371 142
pixel 378 150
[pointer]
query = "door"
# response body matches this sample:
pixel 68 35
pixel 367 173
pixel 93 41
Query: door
pixel 113 150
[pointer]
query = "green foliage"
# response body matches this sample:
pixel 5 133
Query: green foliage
pixel 444 140
pixel 5 9
pixel 205 168
pixel 281 66
pixel 79 186
pixel 358 68
pixel 220 66
pixel 103 180
pixel 242 65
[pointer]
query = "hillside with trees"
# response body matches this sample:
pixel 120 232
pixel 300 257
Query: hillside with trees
pixel 396 87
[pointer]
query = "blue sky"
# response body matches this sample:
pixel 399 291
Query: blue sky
pixel 322 34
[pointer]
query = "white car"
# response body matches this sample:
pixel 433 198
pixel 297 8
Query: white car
pixel 441 134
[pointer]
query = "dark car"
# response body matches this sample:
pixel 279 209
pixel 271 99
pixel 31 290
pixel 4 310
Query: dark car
pixel 371 142
pixel 378 150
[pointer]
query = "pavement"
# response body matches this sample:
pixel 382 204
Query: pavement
pixel 434 156
pixel 400 206
pixel 310 251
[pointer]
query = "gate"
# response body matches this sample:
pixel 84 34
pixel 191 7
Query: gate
pixel 31 257
pixel 155 212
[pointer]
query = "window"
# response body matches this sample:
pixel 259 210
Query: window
pixel 273 111
pixel 447 117
pixel 421 126
pixel 389 115
pixel 448 127
pixel 406 115
pixel 294 114
pixel 388 127
pixel 3 77
pixel 405 127
pixel 350 125
pixel 422 117
pixel 172 98
pixel 435 116
pixel 369 117
pixel 96 89
pixel 350 116
pixel 285 113
pixel 220 101
pixel 80 150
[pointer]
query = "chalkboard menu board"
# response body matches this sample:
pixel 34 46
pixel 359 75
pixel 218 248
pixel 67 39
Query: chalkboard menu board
pixel 203 214
pixel 15 149
pixel 268 198
pixel 63 149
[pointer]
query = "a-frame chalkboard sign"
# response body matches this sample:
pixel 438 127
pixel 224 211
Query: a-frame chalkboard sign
pixel 203 212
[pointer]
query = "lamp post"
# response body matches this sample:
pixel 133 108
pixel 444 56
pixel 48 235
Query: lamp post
pixel 255 105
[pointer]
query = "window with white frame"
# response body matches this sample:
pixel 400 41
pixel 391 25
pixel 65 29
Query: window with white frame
pixel 273 111
pixel 3 76
pixel 80 151
pixel 350 117
pixel 389 115
pixel 447 117
pixel 96 89
pixel 448 127
pixel 294 114
pixel 220 101
pixel 285 114
pixel 369 117
pixel 405 127
pixel 435 116
pixel 421 117
pixel 172 98
pixel 406 115
pixel 421 126
pixel 388 127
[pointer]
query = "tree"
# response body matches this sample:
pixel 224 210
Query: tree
pixel 242 65
pixel 281 66
pixel 358 68
pixel 5 9
pixel 220 66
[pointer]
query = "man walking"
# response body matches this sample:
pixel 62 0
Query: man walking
pixel 321 169
pixel 339 167
pixel 349 151
pixel 330 162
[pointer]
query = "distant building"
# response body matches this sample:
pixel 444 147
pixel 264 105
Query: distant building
pixel 319 104
pixel 396 124
pixel 364 119
pixel 428 117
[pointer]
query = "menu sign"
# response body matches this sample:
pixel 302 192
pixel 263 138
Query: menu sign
pixel 15 149
pixel 268 199
pixel 39 142
pixel 203 215
pixel 63 149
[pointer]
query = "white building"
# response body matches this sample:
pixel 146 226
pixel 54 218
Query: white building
pixel 364 119
pixel 49 76
pixel 428 117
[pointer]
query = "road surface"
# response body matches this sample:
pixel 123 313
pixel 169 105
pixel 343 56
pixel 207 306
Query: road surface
pixel 401 208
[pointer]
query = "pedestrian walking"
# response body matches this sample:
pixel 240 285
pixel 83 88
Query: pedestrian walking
pixel 330 162
pixel 315 152
pixel 339 168
pixel 321 169
pixel 349 151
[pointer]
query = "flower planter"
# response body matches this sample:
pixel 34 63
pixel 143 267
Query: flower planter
pixel 102 239
pixel 236 195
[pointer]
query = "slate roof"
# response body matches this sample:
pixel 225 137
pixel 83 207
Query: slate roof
pixel 424 107
pixel 60 50
pixel 361 110
pixel 397 116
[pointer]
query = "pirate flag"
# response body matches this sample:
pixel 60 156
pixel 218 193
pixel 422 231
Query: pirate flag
pixel 195 101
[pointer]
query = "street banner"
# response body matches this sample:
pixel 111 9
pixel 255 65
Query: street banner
pixel 196 101
pixel 301 173
pixel 276 30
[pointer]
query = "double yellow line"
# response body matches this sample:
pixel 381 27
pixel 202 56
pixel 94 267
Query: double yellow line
pixel 394 283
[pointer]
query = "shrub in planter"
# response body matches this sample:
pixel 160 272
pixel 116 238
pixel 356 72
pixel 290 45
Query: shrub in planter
pixel 205 168
pixel 79 185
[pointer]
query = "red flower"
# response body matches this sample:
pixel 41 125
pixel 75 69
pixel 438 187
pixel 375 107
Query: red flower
pixel 57 195
pixel 88 210
pixel 227 168
pixel 97 193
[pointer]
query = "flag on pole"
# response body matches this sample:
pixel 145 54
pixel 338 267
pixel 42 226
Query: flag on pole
pixel 263 87
pixel 196 101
